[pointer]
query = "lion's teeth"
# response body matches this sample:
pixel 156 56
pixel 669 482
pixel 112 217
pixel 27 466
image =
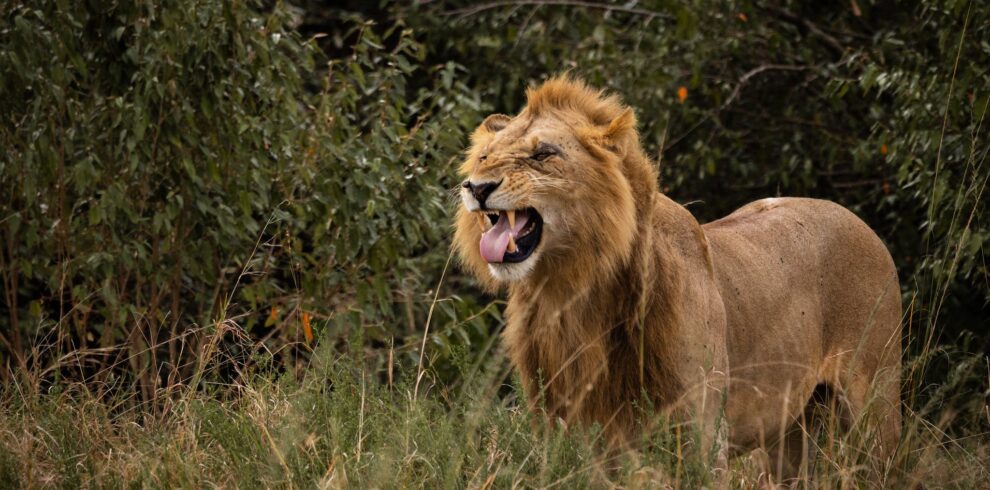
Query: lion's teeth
pixel 512 219
pixel 512 243
pixel 482 222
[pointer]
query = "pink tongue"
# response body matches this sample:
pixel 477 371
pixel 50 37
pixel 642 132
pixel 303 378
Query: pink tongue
pixel 495 241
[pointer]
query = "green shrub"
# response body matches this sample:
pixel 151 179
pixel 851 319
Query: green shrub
pixel 170 166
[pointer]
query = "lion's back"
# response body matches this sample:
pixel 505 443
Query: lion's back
pixel 800 247
pixel 804 283
pixel 823 230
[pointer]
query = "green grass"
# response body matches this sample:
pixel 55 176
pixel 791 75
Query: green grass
pixel 342 424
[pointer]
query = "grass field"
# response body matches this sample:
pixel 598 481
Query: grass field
pixel 346 423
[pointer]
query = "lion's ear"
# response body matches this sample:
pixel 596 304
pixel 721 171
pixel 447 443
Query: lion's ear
pixel 612 137
pixel 622 123
pixel 496 122
pixel 485 132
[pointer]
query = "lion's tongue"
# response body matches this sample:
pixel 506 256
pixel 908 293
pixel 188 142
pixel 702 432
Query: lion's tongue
pixel 495 241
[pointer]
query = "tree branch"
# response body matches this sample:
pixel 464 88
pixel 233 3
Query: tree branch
pixel 468 11
pixel 756 71
pixel 829 40
pixel 735 94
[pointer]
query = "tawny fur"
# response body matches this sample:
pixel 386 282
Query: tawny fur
pixel 631 303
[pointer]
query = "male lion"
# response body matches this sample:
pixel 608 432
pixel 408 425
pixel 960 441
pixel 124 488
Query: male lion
pixel 616 293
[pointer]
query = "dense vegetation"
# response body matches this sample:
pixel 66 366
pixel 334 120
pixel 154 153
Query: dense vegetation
pixel 224 226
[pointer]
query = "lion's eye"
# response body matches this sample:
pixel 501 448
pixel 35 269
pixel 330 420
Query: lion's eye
pixel 544 151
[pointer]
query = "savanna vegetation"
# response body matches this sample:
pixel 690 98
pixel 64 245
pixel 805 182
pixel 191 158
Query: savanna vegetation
pixel 225 227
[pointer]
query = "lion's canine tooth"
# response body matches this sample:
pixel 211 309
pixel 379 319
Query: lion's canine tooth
pixel 481 222
pixel 512 226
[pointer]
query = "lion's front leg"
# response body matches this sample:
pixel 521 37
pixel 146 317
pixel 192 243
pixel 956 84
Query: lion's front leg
pixel 714 427
pixel 701 429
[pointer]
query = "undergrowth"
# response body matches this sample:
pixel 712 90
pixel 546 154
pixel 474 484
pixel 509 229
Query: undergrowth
pixel 348 423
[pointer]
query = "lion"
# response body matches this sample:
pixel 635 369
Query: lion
pixel 619 299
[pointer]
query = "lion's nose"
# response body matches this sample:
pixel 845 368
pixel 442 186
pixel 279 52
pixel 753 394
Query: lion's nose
pixel 481 190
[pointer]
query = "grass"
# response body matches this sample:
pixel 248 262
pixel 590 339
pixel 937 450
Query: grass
pixel 343 424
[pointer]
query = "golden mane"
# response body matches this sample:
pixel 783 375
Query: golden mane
pixel 567 94
pixel 563 94
pixel 600 292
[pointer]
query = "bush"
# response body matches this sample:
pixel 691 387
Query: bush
pixel 169 167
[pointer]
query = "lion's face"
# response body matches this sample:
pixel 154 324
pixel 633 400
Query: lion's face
pixel 541 198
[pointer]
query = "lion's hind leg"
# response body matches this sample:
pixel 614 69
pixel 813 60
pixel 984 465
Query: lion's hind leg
pixel 873 412
pixel 794 456
pixel 869 386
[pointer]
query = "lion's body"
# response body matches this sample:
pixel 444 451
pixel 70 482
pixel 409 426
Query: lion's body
pixel 628 297
pixel 811 298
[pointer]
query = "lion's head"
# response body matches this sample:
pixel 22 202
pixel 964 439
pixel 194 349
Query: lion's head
pixel 553 192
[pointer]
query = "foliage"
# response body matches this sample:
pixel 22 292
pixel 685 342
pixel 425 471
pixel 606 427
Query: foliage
pixel 165 165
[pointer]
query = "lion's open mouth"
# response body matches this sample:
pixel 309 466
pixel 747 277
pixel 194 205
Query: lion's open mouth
pixel 509 236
